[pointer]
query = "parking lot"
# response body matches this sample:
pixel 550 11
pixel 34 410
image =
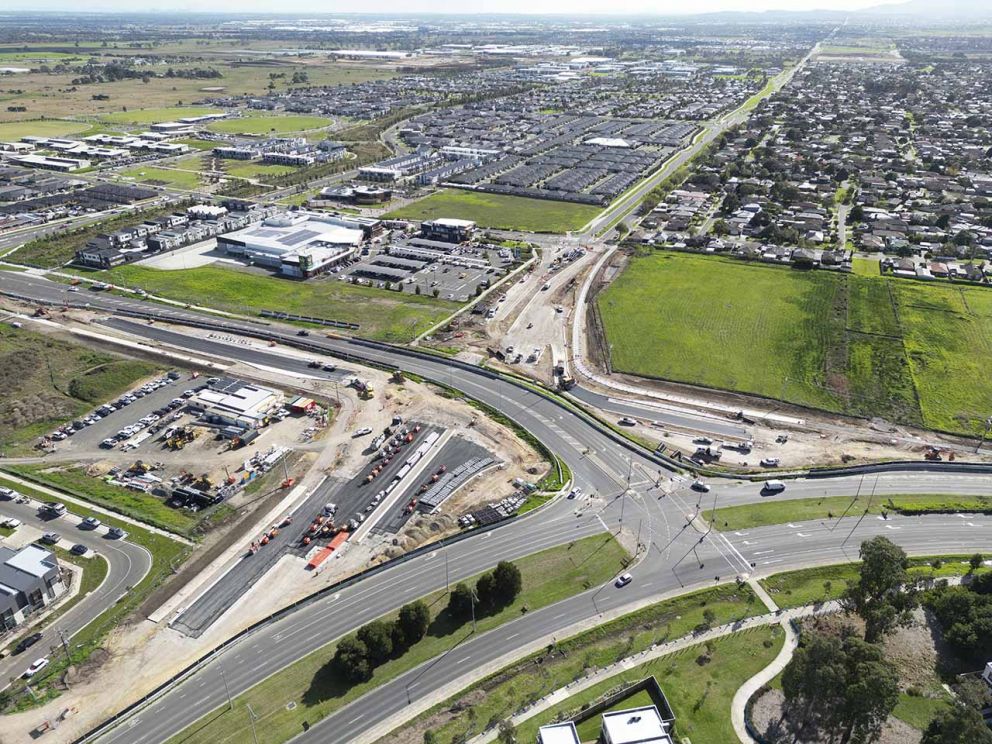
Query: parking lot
pixel 147 399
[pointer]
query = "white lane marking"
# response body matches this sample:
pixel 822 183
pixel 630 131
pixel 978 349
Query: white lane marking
pixel 803 534
pixel 763 552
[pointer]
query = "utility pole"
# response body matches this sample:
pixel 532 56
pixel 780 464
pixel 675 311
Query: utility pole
pixel 65 646
pixel 473 609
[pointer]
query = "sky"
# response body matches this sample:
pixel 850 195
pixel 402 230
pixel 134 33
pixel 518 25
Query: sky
pixel 654 7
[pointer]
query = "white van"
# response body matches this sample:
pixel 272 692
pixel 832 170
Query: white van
pixel 773 486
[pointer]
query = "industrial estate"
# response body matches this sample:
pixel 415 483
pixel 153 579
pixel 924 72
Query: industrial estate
pixel 461 378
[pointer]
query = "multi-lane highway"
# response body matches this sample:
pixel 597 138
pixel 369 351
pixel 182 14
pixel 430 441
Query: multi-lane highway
pixel 127 565
pixel 660 508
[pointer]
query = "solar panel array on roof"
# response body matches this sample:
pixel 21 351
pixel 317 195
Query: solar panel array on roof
pixel 298 237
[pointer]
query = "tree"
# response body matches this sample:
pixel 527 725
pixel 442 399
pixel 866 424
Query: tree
pixel 413 621
pixel 880 595
pixel 460 602
pixel 378 639
pixel 351 660
pixel 845 688
pixel 976 561
pixel 486 592
pixel 507 732
pixel 957 725
pixel 507 582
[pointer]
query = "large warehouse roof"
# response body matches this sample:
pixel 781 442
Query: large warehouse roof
pixel 282 234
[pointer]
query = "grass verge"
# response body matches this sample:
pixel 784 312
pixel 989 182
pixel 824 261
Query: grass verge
pixel 548 577
pixel 830 507
pixel 823 583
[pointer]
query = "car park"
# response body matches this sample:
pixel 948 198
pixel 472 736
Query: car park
pixel 623 580
pixel 36 667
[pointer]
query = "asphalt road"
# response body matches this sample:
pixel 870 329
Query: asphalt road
pixel 704 424
pixel 656 507
pixel 127 565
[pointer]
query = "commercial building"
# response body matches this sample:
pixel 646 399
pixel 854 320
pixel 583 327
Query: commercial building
pixel 297 244
pixel 448 230
pixel 635 726
pixel 63 165
pixel 235 403
pixel 30 580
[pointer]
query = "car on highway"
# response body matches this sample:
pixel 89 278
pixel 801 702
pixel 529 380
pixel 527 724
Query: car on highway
pixel 27 642
pixel 35 668
pixel 773 486
pixel 623 580
pixel 575 493
pixel 303 332
pixel 328 367
pixel 698 485
pixel 78 549
pixel 90 523
pixel 769 462
pixel 627 421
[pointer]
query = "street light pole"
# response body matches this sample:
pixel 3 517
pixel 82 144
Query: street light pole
pixel 230 703
pixel 251 719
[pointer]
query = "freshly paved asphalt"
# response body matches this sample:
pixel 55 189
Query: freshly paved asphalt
pixel 657 508
pixel 127 565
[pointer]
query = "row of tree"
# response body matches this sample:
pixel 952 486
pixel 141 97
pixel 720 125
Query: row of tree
pixel 493 591
pixel 375 643
pixel 380 640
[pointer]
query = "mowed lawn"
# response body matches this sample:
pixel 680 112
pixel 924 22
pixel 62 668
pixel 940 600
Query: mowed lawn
pixel 12 131
pixel 381 314
pixel 178 176
pixel 156 115
pixel 267 124
pixel 906 351
pixel 499 211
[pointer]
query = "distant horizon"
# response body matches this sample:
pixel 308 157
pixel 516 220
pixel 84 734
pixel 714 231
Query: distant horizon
pixel 400 8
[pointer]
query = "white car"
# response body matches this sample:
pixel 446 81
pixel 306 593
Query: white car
pixel 575 493
pixel 769 462
pixel 623 580
pixel 10 523
pixel 35 668
pixel 773 486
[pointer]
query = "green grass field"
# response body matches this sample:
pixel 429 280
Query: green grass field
pixel 268 124
pixel 176 177
pixel 774 511
pixel 548 577
pixel 155 115
pixel 255 169
pixel 384 315
pixel 849 343
pixel 499 211
pixel 48 381
pixel 12 131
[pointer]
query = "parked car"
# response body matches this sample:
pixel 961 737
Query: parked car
pixel 50 538
pixel 627 421
pixel 35 668
pixel 78 549
pixel 117 533
pixel 27 642
pixel 10 523
pixel 623 580
pixel 362 432
pixel 769 462
pixel 90 523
